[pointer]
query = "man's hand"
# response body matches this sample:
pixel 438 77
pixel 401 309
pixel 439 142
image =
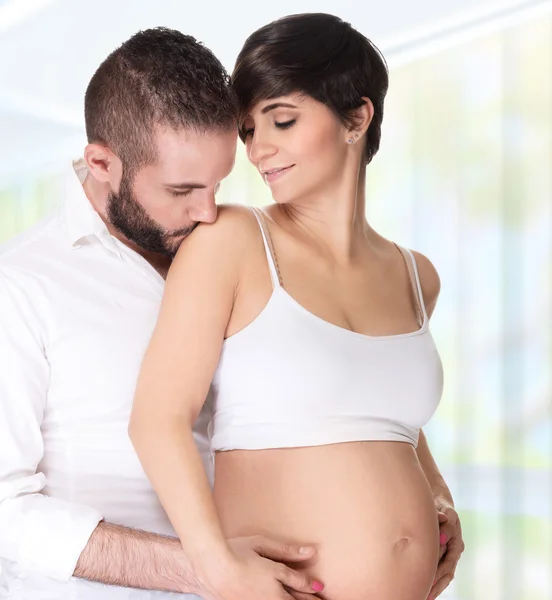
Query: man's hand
pixel 279 552
pixel 452 546
pixel 255 570
pixel 268 548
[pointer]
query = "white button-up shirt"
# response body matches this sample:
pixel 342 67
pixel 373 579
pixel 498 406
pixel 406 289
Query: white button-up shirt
pixel 77 309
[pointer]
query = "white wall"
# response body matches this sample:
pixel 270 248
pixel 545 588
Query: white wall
pixel 49 52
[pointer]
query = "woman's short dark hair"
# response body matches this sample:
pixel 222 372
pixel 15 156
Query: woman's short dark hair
pixel 158 76
pixel 319 55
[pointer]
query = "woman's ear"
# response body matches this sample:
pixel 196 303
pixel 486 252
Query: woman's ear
pixel 361 118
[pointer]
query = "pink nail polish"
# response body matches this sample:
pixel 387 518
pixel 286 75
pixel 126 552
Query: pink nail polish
pixel 443 539
pixel 317 586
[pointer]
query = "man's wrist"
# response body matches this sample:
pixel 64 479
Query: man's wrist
pixel 208 568
pixel 181 574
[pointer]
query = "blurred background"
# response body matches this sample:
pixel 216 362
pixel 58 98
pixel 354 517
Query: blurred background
pixel 463 175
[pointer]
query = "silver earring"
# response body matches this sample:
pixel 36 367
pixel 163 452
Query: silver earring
pixel 350 141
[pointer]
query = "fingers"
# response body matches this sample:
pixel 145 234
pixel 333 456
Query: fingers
pixel 451 515
pixel 447 568
pixel 450 560
pixel 281 552
pixel 447 565
pixel 300 596
pixel 446 532
pixel 297 582
pixel 440 586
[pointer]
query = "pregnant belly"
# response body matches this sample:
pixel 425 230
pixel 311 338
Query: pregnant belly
pixel 366 506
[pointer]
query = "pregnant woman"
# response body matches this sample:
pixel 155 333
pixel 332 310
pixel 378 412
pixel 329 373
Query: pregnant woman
pixel 311 331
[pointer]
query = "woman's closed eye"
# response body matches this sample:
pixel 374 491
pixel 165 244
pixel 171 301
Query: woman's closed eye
pixel 247 131
pixel 285 124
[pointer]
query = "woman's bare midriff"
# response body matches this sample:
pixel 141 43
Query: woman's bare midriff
pixel 366 506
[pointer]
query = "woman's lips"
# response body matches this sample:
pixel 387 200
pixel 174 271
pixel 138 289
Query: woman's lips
pixel 278 174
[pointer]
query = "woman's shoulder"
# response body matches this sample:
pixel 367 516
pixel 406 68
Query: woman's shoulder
pixel 231 219
pixel 240 216
pixel 229 237
pixel 429 280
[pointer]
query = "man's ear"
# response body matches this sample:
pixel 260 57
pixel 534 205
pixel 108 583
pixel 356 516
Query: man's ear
pixel 102 163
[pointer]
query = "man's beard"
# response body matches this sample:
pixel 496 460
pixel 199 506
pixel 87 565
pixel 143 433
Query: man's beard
pixel 128 216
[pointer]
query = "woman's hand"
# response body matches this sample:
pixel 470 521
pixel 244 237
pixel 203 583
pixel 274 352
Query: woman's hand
pixel 250 572
pixel 452 546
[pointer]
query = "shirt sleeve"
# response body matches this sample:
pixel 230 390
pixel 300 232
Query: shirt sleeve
pixel 39 533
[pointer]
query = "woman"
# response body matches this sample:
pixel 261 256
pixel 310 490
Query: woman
pixel 313 330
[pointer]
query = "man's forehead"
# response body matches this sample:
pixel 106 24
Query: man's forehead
pixel 192 137
pixel 194 147
pixel 201 158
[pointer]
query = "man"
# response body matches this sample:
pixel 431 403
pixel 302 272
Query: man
pixel 79 295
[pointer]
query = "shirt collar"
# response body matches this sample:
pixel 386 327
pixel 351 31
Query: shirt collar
pixel 80 217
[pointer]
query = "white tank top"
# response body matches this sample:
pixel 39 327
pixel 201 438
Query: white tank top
pixel 291 379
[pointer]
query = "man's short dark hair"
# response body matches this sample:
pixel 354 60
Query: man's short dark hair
pixel 319 55
pixel 158 77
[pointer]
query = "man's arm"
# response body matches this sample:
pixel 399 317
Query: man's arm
pixel 40 533
pixel 126 557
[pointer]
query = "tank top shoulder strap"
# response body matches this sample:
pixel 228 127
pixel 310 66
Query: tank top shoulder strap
pixel 414 277
pixel 269 248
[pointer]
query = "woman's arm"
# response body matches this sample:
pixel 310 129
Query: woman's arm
pixel 436 481
pixel 173 384
pixel 452 543
pixel 175 377
pixel 431 287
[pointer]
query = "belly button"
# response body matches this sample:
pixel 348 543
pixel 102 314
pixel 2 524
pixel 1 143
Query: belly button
pixel 402 543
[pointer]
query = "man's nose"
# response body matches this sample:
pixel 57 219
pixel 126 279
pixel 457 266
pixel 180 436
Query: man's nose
pixel 205 211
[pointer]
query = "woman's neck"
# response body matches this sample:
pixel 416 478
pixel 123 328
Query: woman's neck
pixel 335 219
